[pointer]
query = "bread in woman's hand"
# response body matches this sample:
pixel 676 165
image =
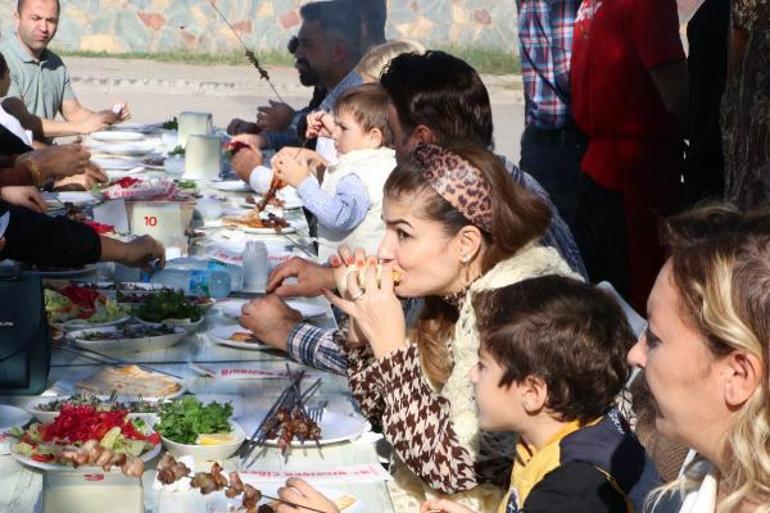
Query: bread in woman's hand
pixel 362 276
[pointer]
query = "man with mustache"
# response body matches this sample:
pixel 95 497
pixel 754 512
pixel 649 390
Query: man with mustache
pixel 40 78
pixel 327 48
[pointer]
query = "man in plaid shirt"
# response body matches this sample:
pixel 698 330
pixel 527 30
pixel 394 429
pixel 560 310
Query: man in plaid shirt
pixel 551 146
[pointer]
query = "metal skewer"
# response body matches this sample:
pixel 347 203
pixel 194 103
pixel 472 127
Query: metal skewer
pixel 110 359
pixel 249 54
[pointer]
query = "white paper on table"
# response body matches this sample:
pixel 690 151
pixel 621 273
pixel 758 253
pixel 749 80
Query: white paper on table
pixel 114 213
pixel 235 373
pixel 341 474
pixel 5 444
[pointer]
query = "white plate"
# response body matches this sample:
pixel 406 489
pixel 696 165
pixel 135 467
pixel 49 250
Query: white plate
pixel 188 325
pixel 24 460
pixel 231 186
pixel 291 201
pixel 139 127
pixel 218 452
pixel 78 324
pixel 74 197
pixel 221 335
pixel 123 397
pixel 335 427
pixel 128 149
pixel 116 135
pixel 113 164
pixel 190 500
pixel 11 416
pixel 33 408
pixel 126 345
pixel 232 307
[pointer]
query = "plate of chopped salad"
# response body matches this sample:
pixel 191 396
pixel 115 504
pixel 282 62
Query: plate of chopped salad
pixel 127 339
pixel 74 306
pixel 46 409
pixel 82 437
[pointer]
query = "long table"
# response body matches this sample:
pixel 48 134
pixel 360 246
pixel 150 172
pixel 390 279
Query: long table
pixel 20 486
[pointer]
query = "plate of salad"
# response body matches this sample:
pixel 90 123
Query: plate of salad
pixel 169 307
pixel 127 339
pixel 83 438
pixel 74 306
pixel 46 409
pixel 204 431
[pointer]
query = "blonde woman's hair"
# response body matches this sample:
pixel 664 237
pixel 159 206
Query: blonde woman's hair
pixel 375 60
pixel 721 269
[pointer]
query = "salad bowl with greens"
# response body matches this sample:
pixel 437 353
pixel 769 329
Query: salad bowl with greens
pixel 205 432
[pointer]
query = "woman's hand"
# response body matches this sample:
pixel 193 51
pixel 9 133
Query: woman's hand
pixel 374 307
pixel 443 505
pixel 299 492
pixel 27 197
pixel 140 252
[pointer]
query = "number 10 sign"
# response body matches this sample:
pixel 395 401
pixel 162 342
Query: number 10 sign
pixel 165 221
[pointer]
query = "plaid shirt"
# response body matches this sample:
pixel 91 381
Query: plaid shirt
pixel 545 42
pixel 317 347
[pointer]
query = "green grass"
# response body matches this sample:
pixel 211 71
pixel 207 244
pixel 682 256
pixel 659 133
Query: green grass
pixel 491 61
pixel 486 60
pixel 269 57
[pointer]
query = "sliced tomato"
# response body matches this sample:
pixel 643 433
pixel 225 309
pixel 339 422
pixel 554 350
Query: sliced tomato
pixel 42 458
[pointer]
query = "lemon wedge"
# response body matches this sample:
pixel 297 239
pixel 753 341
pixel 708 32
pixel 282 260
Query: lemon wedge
pixel 214 438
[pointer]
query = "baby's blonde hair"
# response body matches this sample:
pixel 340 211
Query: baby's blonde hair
pixel 375 60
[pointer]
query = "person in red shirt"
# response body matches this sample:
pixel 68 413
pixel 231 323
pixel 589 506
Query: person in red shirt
pixel 629 95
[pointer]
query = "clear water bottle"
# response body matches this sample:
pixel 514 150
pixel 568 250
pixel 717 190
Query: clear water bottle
pixel 211 283
pixel 202 264
pixel 255 266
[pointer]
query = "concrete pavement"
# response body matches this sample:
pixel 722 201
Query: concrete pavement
pixel 157 91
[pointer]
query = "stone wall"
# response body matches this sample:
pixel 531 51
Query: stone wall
pixel 121 26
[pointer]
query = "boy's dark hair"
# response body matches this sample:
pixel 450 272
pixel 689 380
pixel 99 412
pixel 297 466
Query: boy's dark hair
pixel 368 103
pixel 342 17
pixel 3 66
pixel 570 334
pixel 442 92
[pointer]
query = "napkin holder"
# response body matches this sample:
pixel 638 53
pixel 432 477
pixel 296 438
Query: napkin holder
pixel 193 123
pixel 203 157
pixel 68 492
pixel 166 221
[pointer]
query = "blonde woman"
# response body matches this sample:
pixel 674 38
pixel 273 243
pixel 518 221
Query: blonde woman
pixel 374 61
pixel 705 356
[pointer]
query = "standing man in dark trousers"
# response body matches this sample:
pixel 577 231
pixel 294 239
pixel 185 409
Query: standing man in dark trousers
pixel 551 146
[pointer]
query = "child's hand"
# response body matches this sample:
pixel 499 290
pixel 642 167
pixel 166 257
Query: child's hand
pixel 300 493
pixel 290 170
pixel 319 124
pixel 443 505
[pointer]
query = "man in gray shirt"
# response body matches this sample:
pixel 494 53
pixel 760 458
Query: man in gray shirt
pixel 40 79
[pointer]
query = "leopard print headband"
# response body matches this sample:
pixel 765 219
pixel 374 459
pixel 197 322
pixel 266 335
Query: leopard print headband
pixel 457 181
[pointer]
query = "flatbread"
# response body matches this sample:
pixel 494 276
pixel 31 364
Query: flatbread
pixel 130 380
pixel 243 336
pixel 344 501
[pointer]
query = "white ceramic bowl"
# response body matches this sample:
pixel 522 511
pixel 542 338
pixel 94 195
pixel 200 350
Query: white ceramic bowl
pixel 189 325
pixel 207 452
